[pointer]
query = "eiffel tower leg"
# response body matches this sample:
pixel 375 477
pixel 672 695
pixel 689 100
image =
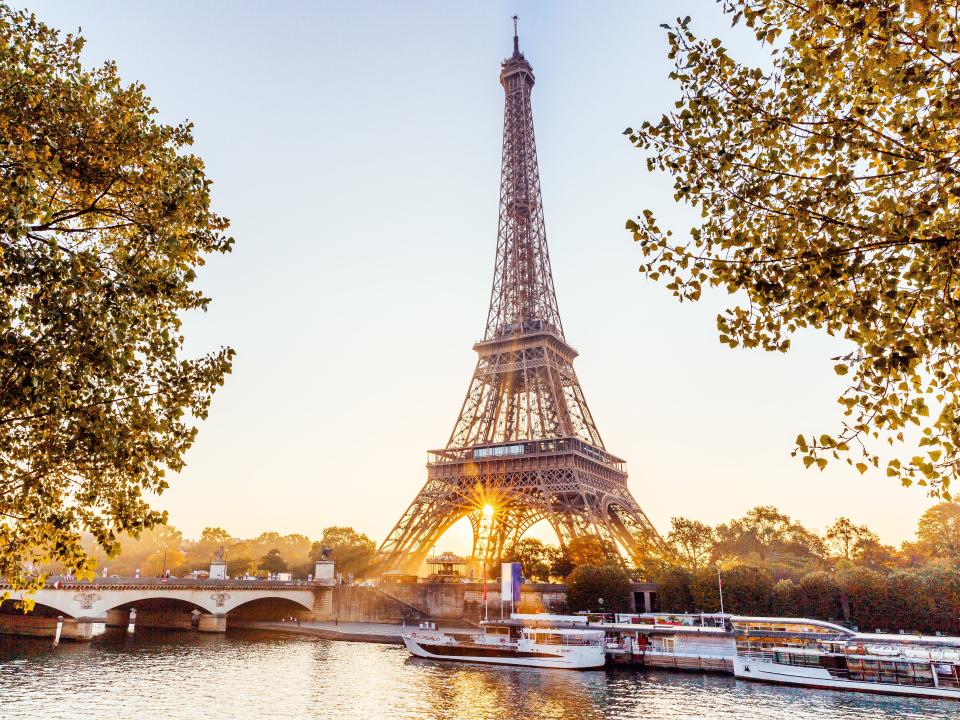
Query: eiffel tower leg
pixel 613 517
pixel 564 529
pixel 633 529
pixel 430 515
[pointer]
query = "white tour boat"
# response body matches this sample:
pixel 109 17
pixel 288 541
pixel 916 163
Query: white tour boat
pixel 919 666
pixel 565 648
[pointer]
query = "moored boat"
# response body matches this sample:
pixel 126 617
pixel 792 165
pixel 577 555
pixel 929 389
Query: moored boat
pixel 919 666
pixel 567 648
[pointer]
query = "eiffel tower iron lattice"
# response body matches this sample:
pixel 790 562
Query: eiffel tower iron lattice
pixel 525 442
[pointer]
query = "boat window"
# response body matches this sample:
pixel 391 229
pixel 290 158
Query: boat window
pixel 667 644
pixel 804 660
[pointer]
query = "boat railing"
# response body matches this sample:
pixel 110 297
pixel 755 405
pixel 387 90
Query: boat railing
pixel 546 638
pixel 758 655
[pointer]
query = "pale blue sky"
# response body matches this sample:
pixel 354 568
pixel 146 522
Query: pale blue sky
pixel 356 148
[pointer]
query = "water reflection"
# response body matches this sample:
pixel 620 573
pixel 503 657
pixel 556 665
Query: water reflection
pixel 167 674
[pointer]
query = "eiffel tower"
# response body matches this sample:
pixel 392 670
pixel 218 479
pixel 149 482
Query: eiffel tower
pixel 525 447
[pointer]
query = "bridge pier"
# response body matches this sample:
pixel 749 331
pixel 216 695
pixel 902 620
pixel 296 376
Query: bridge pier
pixel 75 630
pixel 170 619
pixel 212 623
pixel 118 617
pixel 323 606
pixel 39 626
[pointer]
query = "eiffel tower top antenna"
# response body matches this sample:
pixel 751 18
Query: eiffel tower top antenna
pixel 516 39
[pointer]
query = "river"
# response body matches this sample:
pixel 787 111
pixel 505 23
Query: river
pixel 251 674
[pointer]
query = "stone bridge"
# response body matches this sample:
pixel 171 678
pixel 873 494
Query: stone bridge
pixel 172 603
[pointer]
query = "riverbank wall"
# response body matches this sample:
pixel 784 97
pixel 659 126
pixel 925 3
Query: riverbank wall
pixel 414 602
pixel 444 602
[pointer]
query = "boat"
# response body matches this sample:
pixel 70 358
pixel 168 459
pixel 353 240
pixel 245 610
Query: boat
pixel 918 666
pixel 562 648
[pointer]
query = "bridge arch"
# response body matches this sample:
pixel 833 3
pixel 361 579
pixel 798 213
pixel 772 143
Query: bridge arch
pixel 48 609
pixel 269 608
pixel 95 601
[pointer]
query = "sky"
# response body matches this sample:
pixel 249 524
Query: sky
pixel 355 146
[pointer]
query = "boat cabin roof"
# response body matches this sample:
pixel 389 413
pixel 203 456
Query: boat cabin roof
pixel 945 641
pixel 550 617
pixel 563 631
pixel 787 621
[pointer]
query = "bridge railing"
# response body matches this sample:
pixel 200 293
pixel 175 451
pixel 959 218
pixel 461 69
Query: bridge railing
pixel 127 582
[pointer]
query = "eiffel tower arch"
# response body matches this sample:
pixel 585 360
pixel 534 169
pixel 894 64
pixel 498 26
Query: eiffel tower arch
pixel 525 445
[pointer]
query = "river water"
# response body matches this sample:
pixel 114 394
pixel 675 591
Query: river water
pixel 251 674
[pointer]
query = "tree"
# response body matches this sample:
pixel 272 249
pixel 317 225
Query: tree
pixel 532 556
pixel 783 598
pixel 917 613
pixel 845 540
pixel 828 186
pixel 866 593
pixel 239 566
pixel 938 532
pixel 214 536
pixel 591 550
pixel 352 552
pixel 559 561
pixel 874 555
pixel 104 219
pixel 691 541
pixel 587 584
pixel 704 590
pixel 273 562
pixel 675 590
pixel 765 536
pixel 747 590
pixel 164 560
pixel 817 595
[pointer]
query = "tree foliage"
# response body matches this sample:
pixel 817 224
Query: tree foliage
pixel 938 534
pixel 767 536
pixel 352 552
pixel 846 540
pixel 591 550
pixel 587 584
pixel 214 537
pixel 533 556
pixel 273 562
pixel 828 185
pixel 849 576
pixel 693 542
pixel 559 561
pixel 104 219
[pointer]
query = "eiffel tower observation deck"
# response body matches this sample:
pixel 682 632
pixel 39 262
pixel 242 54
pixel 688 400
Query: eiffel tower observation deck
pixel 525 447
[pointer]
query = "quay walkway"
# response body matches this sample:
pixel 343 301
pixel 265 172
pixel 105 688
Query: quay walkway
pixel 385 633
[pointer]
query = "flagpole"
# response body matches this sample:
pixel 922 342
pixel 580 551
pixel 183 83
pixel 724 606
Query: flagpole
pixel 720 585
pixel 485 589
